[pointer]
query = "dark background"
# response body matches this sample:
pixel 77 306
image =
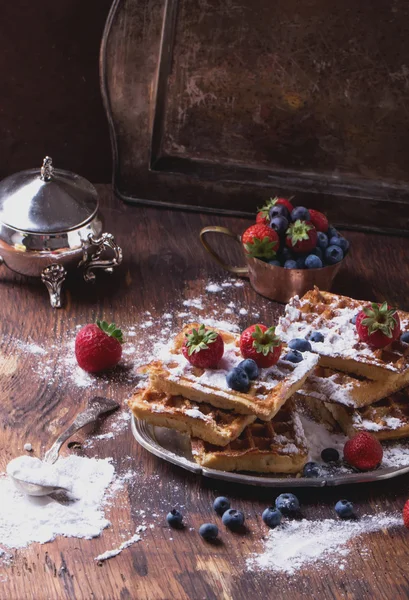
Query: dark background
pixel 50 100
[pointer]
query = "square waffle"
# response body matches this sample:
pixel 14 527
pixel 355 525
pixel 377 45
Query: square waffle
pixel 277 446
pixel 211 424
pixel 341 349
pixel 332 386
pixel 386 419
pixel 176 376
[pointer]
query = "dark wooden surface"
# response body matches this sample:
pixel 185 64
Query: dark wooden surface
pixel 208 108
pixel 50 97
pixel 163 265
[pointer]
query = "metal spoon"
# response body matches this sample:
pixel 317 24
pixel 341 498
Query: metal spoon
pixel 96 407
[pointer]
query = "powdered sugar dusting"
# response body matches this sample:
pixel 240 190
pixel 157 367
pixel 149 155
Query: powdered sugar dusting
pixel 296 544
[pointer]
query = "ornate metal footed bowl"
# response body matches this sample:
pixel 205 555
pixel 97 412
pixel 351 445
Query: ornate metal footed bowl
pixel 50 222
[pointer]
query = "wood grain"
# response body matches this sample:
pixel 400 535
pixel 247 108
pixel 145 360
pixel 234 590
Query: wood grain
pixel 163 265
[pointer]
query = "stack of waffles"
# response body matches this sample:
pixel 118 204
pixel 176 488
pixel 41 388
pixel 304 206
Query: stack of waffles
pixel 256 431
pixel 359 388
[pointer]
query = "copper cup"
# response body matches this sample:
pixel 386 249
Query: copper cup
pixel 273 282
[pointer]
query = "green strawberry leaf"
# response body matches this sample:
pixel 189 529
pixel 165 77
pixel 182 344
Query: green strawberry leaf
pixel 111 330
pixel 199 339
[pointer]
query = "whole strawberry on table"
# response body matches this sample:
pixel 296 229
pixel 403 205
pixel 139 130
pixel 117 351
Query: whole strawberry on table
pixel 293 237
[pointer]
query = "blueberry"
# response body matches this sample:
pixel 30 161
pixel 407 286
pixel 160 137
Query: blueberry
pixel 287 504
pixel 330 455
pixel 290 264
pixel 272 517
pixel 250 367
pixel 333 254
pixel 332 232
pixel 233 519
pixel 322 240
pixel 274 263
pixel 300 262
pixel 220 505
pixel 316 336
pixel 279 224
pixel 300 345
pixel 300 213
pixel 341 242
pixel 285 254
pixel 313 262
pixel 294 356
pixel 208 531
pixel 311 469
pixel 353 320
pixel 238 380
pixel 405 337
pixel 344 509
pixel 174 519
pixel 317 252
pixel 279 210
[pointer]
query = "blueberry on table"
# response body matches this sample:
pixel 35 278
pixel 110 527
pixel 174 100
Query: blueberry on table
pixel 333 254
pixel 208 531
pixel 279 210
pixel 322 240
pixel 405 337
pixel 353 320
pixel 287 504
pixel 313 262
pixel 238 380
pixel 316 336
pixel 293 356
pixel 311 469
pixel 272 517
pixel 250 367
pixel 341 242
pixel 300 213
pixel 274 263
pixel 344 509
pixel 233 519
pixel 279 224
pixel 221 504
pixel 300 344
pixel 330 455
pixel 290 264
pixel 174 519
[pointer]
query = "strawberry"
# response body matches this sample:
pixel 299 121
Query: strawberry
pixel 203 348
pixel 98 346
pixel 405 514
pixel 301 236
pixel 260 344
pixel 319 220
pixel 260 241
pixel 378 325
pixel 263 214
pixel 363 451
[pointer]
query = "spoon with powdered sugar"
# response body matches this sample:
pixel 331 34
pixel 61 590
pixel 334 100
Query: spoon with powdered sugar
pixel 38 478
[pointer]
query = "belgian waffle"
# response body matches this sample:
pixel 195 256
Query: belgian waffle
pixel 199 420
pixel 332 386
pixel 386 419
pixel 175 376
pixel 341 349
pixel 277 446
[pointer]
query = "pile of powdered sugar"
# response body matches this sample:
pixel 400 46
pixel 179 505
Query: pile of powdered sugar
pixel 295 544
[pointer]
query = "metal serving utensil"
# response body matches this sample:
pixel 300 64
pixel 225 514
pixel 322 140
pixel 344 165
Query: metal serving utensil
pixel 96 407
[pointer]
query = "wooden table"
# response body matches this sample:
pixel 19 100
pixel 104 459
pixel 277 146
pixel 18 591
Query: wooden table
pixel 165 264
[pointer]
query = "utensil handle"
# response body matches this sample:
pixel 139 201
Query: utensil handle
pixel 99 253
pixel 96 407
pixel 243 271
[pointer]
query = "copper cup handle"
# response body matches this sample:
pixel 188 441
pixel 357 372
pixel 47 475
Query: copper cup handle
pixel 243 271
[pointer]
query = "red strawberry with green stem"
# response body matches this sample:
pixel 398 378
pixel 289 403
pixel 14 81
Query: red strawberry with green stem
pixel 98 346
pixel 260 241
pixel 378 325
pixel 263 216
pixel 363 451
pixel 301 236
pixel 319 220
pixel 203 347
pixel 261 344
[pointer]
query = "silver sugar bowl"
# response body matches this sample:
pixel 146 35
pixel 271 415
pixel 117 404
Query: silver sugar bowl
pixel 50 222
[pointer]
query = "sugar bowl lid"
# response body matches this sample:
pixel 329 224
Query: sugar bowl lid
pixel 46 200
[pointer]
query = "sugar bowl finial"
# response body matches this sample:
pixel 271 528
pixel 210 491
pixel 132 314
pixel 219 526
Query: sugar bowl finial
pixel 47 169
